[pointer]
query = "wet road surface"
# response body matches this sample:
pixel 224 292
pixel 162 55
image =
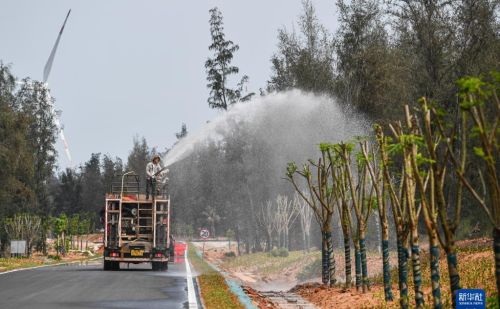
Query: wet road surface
pixel 88 286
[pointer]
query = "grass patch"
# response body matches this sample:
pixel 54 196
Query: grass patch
pixel 475 266
pixel 7 264
pixel 264 264
pixel 213 288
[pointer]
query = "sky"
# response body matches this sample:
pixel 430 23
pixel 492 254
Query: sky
pixel 136 68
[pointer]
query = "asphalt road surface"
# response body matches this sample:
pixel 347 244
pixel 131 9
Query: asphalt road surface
pixel 88 286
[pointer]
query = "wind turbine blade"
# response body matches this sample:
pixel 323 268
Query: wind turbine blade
pixel 48 65
pixel 66 147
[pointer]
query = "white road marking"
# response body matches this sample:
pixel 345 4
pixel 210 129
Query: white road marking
pixel 35 267
pixel 193 304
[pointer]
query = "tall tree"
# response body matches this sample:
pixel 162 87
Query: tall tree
pixel 68 196
pixel 138 158
pixel 219 68
pixel 34 102
pixel 110 170
pixel 16 157
pixel 304 60
pixel 425 33
pixel 92 188
pixel 364 61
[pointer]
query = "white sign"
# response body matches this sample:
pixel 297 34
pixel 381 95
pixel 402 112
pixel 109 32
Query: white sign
pixel 18 247
pixel 204 233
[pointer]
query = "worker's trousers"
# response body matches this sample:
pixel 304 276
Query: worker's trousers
pixel 150 187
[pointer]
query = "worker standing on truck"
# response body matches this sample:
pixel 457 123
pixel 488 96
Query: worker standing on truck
pixel 154 174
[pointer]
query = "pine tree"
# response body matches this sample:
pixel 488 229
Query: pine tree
pixel 138 159
pixel 219 67
pixel 304 60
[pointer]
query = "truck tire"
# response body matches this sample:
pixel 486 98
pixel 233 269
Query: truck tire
pixel 171 251
pixel 107 265
pixel 116 265
pixel 156 266
pixel 164 266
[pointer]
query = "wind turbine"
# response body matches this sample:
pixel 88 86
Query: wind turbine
pixel 46 73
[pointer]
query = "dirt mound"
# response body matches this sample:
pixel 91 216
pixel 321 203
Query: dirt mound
pixel 258 299
pixel 340 298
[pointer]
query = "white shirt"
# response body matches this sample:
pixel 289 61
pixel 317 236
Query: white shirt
pixel 152 169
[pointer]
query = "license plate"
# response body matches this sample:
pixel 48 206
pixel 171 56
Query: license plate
pixel 136 252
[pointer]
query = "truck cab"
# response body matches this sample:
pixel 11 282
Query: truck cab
pixel 136 229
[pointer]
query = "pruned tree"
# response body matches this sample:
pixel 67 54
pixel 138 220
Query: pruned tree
pixel 361 194
pixel 397 197
pixel 342 200
pixel 475 96
pixel 321 201
pixel 376 175
pixel 405 139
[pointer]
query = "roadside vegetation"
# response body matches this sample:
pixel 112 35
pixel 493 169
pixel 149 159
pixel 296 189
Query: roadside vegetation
pixel 265 264
pixel 405 170
pixel 213 288
pixel 12 263
pixel 477 270
pixel 7 264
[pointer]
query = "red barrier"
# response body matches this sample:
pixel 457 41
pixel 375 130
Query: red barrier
pixel 180 248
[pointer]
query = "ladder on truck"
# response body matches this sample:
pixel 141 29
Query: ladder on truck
pixel 153 217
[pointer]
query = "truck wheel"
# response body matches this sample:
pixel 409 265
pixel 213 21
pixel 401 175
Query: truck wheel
pixel 164 266
pixel 116 265
pixel 107 265
pixel 155 266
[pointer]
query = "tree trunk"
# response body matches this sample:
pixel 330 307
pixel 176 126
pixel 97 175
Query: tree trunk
pixel 304 242
pixel 496 249
pixel 357 259
pixel 417 272
pixel 331 260
pixel 451 258
pixel 364 266
pixel 347 259
pixel 402 273
pixel 325 258
pixel 436 289
pixel 434 262
pixel 386 267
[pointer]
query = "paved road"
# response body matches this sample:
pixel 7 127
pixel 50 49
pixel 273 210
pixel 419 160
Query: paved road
pixel 88 286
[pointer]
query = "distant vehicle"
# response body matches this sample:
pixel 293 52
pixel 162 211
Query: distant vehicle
pixel 136 230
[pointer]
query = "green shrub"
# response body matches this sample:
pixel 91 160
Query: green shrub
pixel 54 257
pixel 279 252
pixel 230 254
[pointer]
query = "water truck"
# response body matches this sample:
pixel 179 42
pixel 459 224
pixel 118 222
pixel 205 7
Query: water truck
pixel 136 229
